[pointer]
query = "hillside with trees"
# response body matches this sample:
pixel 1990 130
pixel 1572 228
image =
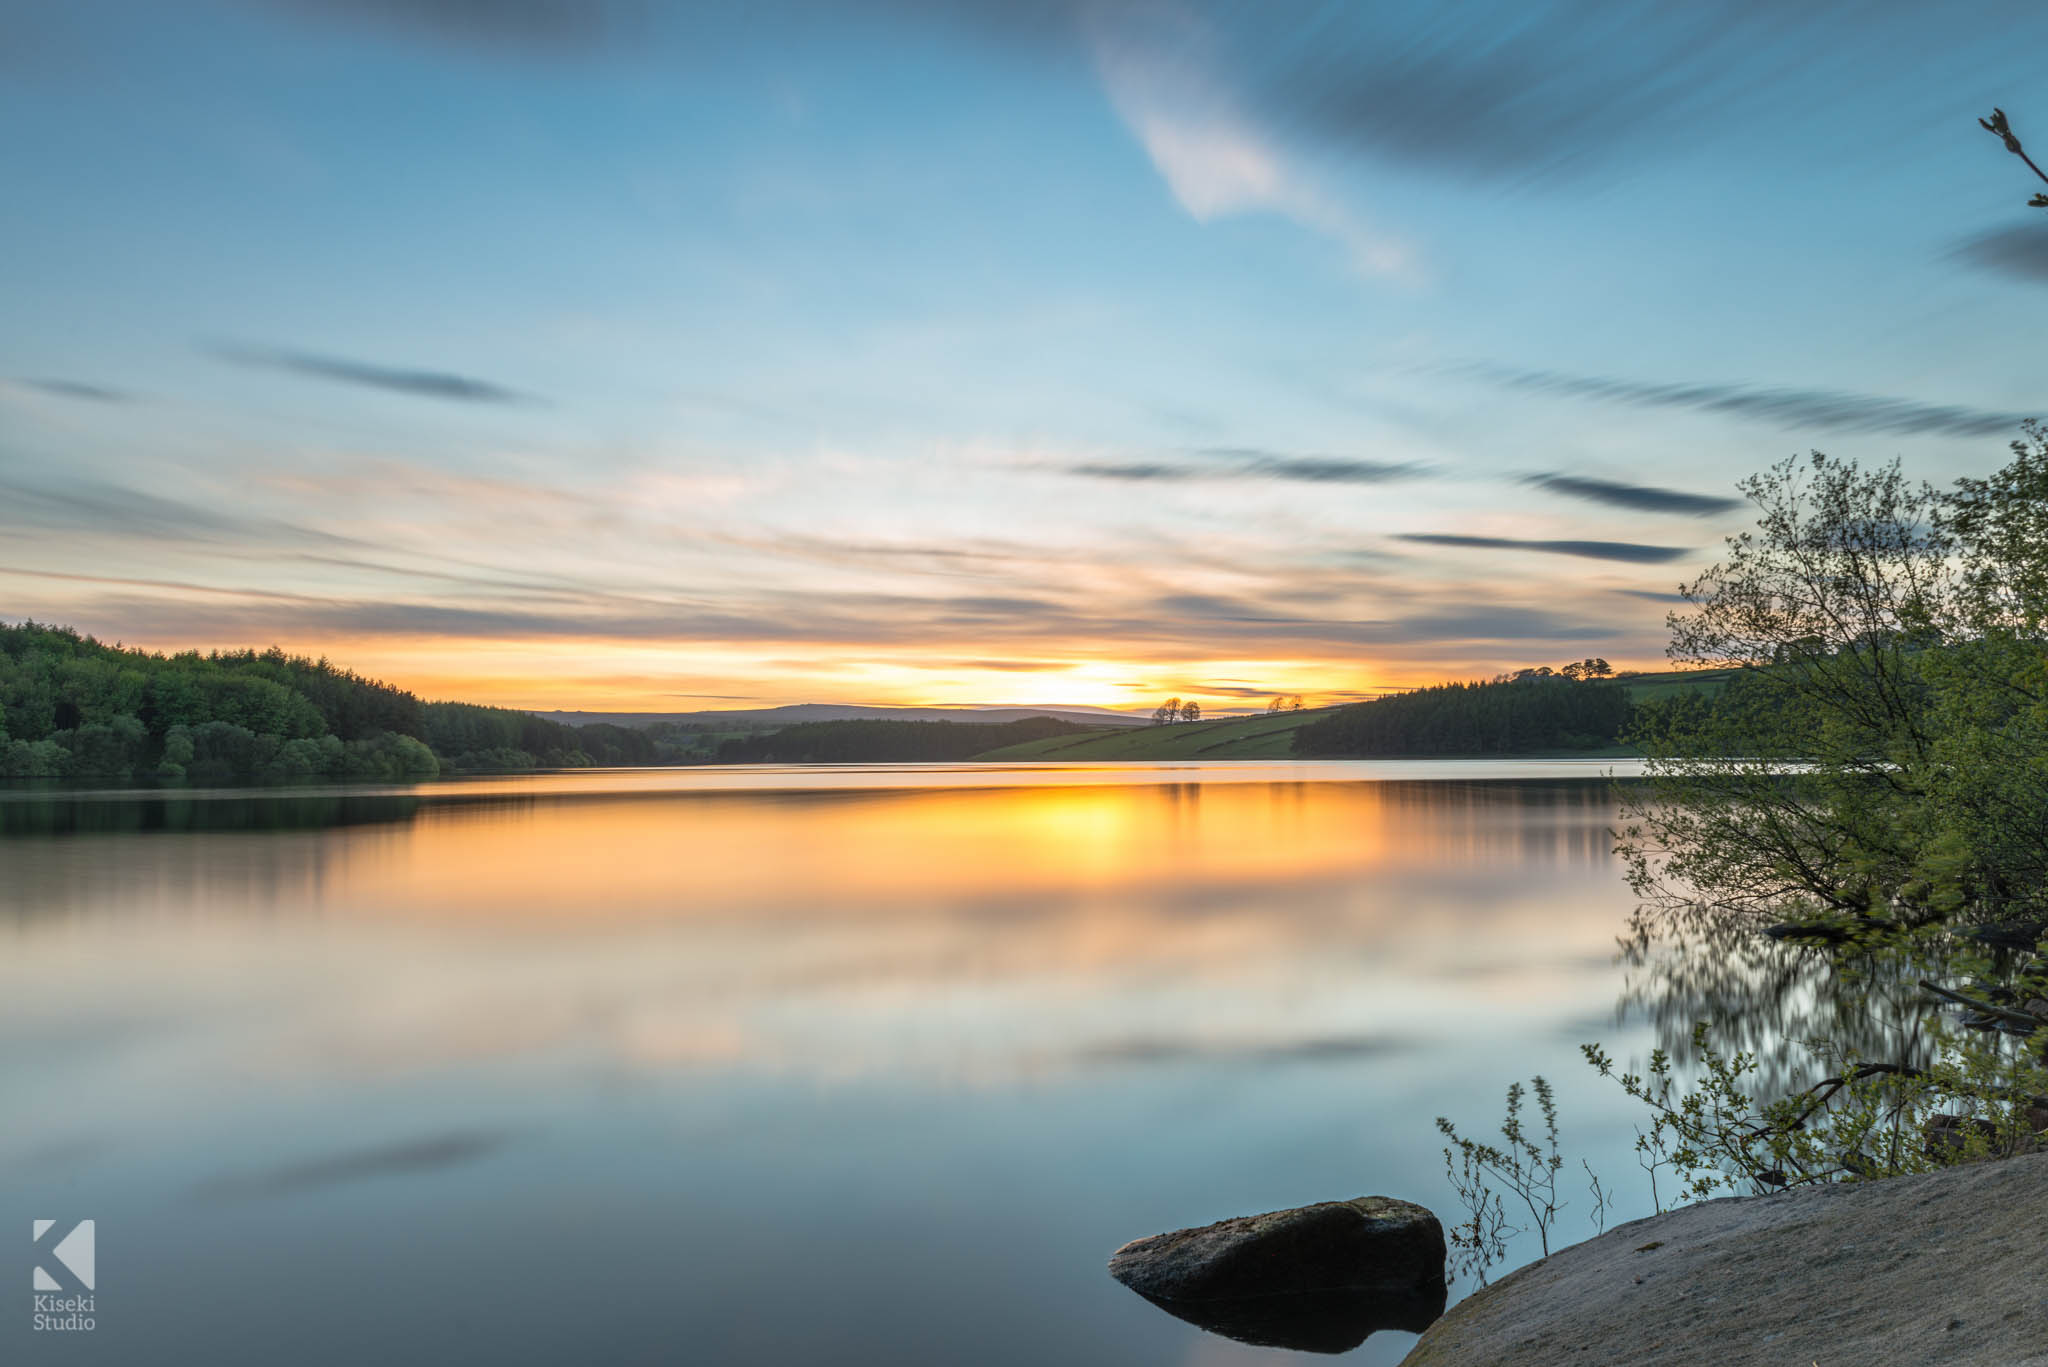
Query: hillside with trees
pixel 73 707
pixel 1528 713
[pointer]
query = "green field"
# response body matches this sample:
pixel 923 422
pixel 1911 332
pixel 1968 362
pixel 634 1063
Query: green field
pixel 1265 736
pixel 1651 687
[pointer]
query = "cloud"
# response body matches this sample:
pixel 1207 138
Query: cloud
pixel 1505 93
pixel 87 507
pixel 1240 463
pixel 1641 497
pixel 547 26
pixel 1629 551
pixel 2020 251
pixel 1007 666
pixel 1154 1049
pixel 78 389
pixel 1214 158
pixel 1832 410
pixel 1653 596
pixel 430 384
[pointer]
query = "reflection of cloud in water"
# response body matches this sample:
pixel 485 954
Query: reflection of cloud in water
pixel 431 1153
pixel 1321 1049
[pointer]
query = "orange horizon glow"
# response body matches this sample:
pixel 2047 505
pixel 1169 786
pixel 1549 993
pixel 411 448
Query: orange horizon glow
pixel 636 676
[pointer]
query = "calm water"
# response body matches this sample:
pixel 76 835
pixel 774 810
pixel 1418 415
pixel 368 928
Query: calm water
pixel 767 1066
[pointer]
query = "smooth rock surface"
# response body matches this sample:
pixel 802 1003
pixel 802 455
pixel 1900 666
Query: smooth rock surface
pixel 1373 1242
pixel 1943 1268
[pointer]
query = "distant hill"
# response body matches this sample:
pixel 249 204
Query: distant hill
pixel 766 718
pixel 1260 736
pixel 865 740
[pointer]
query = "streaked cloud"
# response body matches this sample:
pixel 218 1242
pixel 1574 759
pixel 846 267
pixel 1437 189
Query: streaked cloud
pixel 1639 497
pixel 2020 251
pixel 1781 406
pixel 79 389
pixel 1628 551
pixel 531 25
pixel 1212 154
pixel 426 384
pixel 1239 463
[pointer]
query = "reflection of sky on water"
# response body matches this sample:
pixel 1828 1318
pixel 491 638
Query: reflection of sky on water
pixel 861 1076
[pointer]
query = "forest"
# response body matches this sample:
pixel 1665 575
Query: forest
pixel 74 707
pixel 1521 715
pixel 880 741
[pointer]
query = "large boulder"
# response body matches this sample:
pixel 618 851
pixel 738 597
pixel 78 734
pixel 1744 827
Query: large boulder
pixel 1372 1242
pixel 1318 1278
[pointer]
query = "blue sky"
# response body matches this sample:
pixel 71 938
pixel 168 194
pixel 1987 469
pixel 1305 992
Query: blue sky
pixel 561 353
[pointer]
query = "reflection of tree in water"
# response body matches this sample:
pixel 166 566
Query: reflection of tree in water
pixel 80 814
pixel 1687 962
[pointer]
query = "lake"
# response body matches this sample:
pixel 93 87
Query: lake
pixel 766 1065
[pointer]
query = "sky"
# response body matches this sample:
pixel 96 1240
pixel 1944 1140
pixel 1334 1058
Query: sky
pixel 572 354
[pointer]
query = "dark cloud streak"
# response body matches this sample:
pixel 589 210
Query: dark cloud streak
pixel 1639 497
pixel 1828 409
pixel 1628 551
pixel 2019 251
pixel 427 384
pixel 78 389
pixel 1238 463
pixel 538 26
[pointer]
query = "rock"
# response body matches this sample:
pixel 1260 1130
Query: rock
pixel 1371 1243
pixel 1317 1278
pixel 1862 1272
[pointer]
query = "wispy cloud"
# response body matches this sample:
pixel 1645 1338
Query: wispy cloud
pixel 1213 156
pixel 1832 410
pixel 89 507
pixel 428 384
pixel 1240 463
pixel 2020 251
pixel 1592 550
pixel 1640 497
pixel 79 389
pixel 548 26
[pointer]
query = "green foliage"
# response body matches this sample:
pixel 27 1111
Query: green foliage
pixel 74 708
pixel 882 741
pixel 1872 781
pixel 1525 1166
pixel 474 739
pixel 1509 716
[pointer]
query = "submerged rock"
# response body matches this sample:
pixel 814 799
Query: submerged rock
pixel 1318 1277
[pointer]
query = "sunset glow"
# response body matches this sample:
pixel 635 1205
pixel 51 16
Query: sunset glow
pixel 655 359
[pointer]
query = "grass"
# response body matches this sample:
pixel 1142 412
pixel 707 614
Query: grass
pixel 1651 687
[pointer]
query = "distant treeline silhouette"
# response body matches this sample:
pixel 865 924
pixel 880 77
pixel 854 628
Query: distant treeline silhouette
pixel 73 707
pixel 853 742
pixel 1512 716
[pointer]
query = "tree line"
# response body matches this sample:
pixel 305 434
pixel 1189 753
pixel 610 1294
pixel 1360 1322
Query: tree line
pixel 74 707
pixel 1516 714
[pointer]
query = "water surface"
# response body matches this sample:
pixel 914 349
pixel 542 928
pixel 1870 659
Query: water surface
pixel 764 1065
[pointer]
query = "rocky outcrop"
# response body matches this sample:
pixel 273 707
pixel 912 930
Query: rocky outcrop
pixel 1940 1268
pixel 1318 1278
